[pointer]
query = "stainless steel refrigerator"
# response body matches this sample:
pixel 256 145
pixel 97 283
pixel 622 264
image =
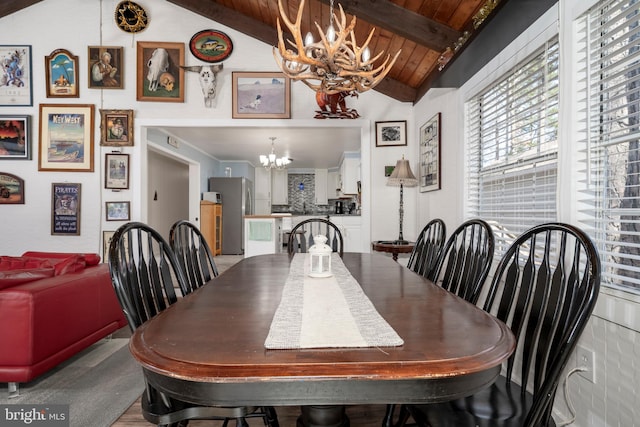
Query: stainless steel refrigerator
pixel 236 202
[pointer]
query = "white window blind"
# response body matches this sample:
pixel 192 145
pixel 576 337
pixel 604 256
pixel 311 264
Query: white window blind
pixel 612 33
pixel 512 159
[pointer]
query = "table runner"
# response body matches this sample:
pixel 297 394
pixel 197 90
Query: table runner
pixel 326 312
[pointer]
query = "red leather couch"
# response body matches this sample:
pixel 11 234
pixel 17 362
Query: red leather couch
pixel 52 306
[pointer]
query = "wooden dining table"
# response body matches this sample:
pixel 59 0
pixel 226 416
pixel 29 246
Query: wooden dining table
pixel 209 347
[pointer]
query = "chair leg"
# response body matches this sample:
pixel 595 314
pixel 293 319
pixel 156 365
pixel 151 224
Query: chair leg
pixel 241 422
pixel 271 417
pixel 387 421
pixel 403 417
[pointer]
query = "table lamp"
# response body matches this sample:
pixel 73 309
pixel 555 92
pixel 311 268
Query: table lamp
pixel 402 176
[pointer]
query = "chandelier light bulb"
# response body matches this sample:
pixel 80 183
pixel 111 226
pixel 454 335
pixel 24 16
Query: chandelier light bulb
pixel 366 54
pixel 331 34
pixel 308 39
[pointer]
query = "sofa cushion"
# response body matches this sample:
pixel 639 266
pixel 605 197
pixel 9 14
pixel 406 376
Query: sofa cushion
pixel 18 277
pixel 69 265
pixel 8 263
pixel 54 257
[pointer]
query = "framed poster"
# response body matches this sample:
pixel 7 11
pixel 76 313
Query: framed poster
pixel 65 209
pixel 11 189
pixel 61 68
pixel 116 171
pixel 260 95
pixel 16 82
pixel 389 134
pixel 15 137
pixel 430 155
pixel 210 46
pixel 66 138
pixel 117 211
pixel 106 67
pixel 159 77
pixel 116 128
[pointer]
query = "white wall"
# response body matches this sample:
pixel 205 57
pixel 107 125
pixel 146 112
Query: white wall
pixel 51 26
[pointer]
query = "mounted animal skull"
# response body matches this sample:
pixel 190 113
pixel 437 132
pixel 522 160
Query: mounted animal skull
pixel 208 80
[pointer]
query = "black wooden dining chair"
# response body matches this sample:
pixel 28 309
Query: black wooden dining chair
pixel 144 271
pixel 466 259
pixel 301 236
pixel 544 288
pixel 193 253
pixel 427 249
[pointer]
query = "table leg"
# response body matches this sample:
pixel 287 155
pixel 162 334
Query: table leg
pixel 329 416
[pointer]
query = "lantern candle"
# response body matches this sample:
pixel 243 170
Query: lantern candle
pixel 320 257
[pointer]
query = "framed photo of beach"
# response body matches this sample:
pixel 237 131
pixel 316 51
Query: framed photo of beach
pixel 260 95
pixel 66 137
pixel 15 137
pixel 16 83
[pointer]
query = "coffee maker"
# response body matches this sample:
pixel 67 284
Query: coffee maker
pixel 339 207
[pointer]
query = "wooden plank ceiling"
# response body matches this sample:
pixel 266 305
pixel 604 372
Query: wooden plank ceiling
pixel 423 30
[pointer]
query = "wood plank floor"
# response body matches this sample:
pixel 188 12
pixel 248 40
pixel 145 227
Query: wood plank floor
pixel 360 416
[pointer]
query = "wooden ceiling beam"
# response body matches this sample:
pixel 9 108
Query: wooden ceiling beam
pixel 8 7
pixel 267 34
pixel 405 23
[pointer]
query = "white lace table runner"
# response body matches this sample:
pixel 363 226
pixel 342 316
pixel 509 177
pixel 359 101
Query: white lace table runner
pixel 326 312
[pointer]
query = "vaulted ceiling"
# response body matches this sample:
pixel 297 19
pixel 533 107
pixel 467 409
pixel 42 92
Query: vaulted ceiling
pixel 442 42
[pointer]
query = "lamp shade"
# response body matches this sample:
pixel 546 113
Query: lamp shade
pixel 402 174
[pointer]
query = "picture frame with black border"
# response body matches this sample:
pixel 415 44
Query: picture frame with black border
pixel 430 155
pixel 65 208
pixel 116 171
pixel 15 137
pixel 391 133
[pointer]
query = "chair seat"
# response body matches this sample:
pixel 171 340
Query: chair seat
pixel 500 405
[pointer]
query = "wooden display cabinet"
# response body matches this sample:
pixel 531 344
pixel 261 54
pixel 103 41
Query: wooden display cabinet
pixel 211 225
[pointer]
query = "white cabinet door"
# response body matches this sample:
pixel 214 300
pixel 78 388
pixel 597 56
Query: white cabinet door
pixel 262 188
pixel 350 171
pixel 333 185
pixel 351 229
pixel 279 187
pixel 321 186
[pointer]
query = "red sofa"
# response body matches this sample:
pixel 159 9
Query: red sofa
pixel 53 305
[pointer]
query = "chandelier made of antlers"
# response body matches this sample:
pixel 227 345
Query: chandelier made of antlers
pixel 335 63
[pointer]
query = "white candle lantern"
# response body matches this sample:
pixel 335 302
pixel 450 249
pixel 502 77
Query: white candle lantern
pixel 320 257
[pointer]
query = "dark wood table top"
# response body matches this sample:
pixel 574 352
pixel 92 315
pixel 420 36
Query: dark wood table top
pixel 209 347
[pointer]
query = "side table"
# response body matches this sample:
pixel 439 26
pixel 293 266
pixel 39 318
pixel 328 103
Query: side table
pixel 392 247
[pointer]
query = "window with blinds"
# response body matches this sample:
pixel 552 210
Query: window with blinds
pixel 611 31
pixel 512 158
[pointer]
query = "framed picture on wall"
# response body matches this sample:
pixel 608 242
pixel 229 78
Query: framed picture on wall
pixel 260 95
pixel 105 67
pixel 117 211
pixel 16 82
pixel 116 171
pixel 390 134
pixel 65 209
pixel 15 137
pixel 430 155
pixel 11 189
pixel 116 128
pixel 66 138
pixel 159 77
pixel 61 69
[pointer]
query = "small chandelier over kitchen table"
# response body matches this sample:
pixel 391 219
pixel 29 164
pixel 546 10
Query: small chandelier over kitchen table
pixel 271 161
pixel 335 63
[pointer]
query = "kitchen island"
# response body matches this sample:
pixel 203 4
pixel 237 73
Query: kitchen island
pixel 263 234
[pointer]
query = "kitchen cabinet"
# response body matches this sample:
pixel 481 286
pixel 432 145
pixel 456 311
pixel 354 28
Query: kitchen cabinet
pixel 350 175
pixel 321 194
pixel 211 225
pixel 351 229
pixel 262 235
pixel 262 190
pixel 333 185
pixel 279 187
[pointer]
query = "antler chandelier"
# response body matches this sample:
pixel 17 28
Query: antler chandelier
pixel 271 161
pixel 335 63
